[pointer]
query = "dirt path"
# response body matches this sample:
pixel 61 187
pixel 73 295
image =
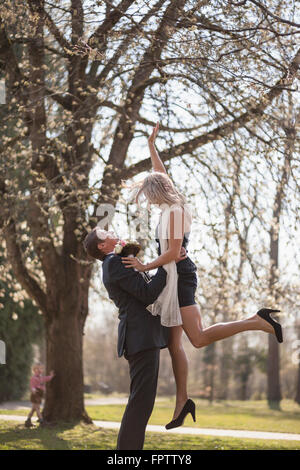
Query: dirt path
pixel 21 405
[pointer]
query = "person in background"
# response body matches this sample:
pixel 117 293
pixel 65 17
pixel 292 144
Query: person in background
pixel 37 389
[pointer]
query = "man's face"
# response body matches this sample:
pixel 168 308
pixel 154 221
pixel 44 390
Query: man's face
pixel 108 241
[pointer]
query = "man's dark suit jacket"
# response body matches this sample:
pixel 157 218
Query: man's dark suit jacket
pixel 138 329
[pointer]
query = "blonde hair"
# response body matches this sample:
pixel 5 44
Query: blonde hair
pixel 158 188
pixel 37 366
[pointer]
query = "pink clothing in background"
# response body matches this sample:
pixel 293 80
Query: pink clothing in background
pixel 38 381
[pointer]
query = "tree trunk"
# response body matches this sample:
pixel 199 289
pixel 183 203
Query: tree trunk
pixel 244 389
pixel 273 368
pixel 273 363
pixel 64 337
pixel 67 309
pixel 225 367
pixel 64 397
pixel 274 392
pixel 209 371
pixel 297 397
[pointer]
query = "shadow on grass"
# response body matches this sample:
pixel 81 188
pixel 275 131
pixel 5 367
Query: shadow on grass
pixel 48 437
pixel 62 436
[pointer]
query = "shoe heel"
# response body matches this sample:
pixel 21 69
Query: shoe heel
pixel 278 332
pixel 193 413
pixel 264 313
pixel 277 329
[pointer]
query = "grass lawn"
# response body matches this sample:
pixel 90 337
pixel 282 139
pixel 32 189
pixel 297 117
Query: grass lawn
pixel 13 436
pixel 250 415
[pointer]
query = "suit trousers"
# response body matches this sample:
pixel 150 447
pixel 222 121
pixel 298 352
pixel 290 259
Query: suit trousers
pixel 143 368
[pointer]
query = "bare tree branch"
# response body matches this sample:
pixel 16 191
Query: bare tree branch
pixel 125 128
pixel 37 6
pixel 111 19
pixel 269 13
pixel 225 129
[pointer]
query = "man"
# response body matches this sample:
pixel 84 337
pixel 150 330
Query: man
pixel 140 335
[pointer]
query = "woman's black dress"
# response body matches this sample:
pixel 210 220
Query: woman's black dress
pixel 187 277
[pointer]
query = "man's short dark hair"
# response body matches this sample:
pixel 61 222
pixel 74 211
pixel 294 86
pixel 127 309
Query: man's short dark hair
pixel 90 245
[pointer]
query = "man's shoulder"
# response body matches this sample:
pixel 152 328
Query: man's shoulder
pixel 110 257
pixel 113 260
pixel 113 265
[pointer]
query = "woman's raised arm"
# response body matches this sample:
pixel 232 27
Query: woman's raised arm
pixel 157 164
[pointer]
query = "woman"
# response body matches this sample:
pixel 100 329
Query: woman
pixel 158 188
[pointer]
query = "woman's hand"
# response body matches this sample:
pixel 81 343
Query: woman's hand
pixel 131 262
pixel 182 255
pixel 151 139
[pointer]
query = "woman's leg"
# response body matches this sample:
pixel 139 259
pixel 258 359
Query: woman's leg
pixel 180 367
pixel 200 337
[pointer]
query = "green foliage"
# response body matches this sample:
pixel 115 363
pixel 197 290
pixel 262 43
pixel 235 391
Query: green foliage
pixel 20 326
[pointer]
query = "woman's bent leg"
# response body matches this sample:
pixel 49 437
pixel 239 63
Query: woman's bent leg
pixel 200 337
pixel 180 367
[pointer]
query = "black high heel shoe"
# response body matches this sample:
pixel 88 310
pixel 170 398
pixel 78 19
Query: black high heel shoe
pixel 265 314
pixel 189 407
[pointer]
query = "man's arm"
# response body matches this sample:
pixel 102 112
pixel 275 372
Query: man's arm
pixel 133 283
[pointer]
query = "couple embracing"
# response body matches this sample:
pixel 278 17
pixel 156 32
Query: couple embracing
pixel 154 311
